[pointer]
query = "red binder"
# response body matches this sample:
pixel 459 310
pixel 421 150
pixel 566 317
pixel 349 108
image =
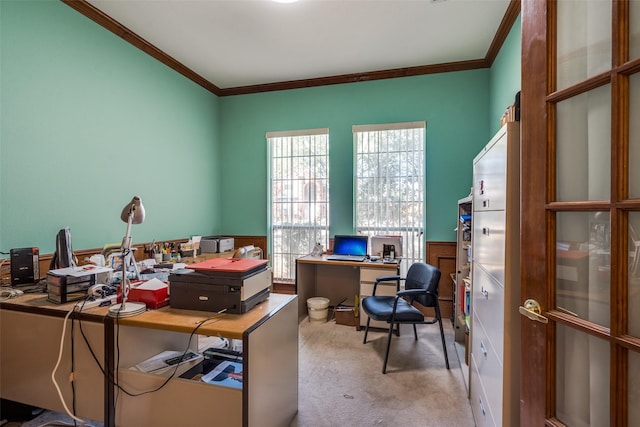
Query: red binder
pixel 229 265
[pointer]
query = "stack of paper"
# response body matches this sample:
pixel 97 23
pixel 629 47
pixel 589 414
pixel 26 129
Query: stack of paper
pixel 166 363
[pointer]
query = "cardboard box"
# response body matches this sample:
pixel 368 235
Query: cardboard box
pixel 345 315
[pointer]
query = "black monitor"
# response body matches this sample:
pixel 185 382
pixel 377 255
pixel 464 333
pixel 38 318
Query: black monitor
pixel 63 257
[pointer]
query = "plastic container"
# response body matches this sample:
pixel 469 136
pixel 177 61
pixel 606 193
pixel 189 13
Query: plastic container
pixel 318 308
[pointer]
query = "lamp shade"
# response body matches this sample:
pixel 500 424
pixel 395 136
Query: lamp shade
pixel 133 207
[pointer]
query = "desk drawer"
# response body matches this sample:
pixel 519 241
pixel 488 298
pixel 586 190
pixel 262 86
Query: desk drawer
pixel 489 242
pixel 371 274
pixel 489 368
pixel 481 411
pixel 488 305
pixel 489 176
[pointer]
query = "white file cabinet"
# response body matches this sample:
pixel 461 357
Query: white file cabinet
pixel 495 296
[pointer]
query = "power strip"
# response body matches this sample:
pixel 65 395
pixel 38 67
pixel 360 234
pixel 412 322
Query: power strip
pixel 97 302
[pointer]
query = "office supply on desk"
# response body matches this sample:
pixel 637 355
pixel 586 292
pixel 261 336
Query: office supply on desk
pixel 154 293
pixel 165 362
pixel 236 285
pixel 386 246
pixel 349 248
pixel 25 266
pixel 63 287
pixel 132 213
pixel 248 251
pixel 63 256
pixel 216 244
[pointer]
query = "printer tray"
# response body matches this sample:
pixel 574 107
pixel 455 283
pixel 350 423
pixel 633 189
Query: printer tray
pixel 205 297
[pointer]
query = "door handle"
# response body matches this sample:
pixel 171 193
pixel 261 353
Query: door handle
pixel 532 310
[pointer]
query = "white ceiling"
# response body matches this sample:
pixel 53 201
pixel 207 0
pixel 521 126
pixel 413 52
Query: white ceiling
pixel 237 43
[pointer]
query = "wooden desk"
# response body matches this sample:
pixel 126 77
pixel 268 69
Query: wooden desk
pixel 338 280
pixel 30 333
pixel 31 328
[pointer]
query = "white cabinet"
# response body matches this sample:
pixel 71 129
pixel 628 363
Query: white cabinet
pixel 495 297
pixel 368 277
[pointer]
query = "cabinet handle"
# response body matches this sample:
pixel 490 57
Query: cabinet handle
pixel 482 407
pixel 483 349
pixel 485 293
pixel 485 203
pixel 485 231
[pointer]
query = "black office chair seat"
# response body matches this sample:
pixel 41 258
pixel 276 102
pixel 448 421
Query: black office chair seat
pixel 381 308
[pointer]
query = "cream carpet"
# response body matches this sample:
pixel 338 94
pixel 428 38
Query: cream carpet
pixel 341 381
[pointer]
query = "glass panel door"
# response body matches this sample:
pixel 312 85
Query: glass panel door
pixel 583 40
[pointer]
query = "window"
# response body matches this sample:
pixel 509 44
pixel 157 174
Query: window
pixel 390 182
pixel 299 198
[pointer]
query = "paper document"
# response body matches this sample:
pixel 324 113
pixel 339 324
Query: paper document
pixel 152 285
pixel 226 373
pixel 80 271
pixel 165 362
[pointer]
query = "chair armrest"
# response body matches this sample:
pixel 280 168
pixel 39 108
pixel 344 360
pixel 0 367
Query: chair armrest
pixel 388 278
pixel 413 293
pixel 385 279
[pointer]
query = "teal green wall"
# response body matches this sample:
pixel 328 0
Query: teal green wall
pixel 454 105
pixel 87 121
pixel 505 76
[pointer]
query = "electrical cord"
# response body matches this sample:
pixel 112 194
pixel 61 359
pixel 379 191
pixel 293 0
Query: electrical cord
pixel 113 378
pixel 166 381
pixel 73 368
pixel 110 375
pixel 7 292
pixel 55 369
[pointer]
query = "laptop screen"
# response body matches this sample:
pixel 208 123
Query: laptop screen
pixel 350 245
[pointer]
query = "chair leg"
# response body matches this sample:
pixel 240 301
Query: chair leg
pixel 444 345
pixel 415 332
pixel 386 356
pixel 366 331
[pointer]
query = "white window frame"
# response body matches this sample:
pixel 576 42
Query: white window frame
pixel 298 205
pixel 392 169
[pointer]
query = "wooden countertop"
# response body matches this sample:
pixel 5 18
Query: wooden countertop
pixel 309 259
pixel 166 318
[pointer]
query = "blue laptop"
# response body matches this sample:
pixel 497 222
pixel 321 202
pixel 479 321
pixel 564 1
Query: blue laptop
pixel 349 248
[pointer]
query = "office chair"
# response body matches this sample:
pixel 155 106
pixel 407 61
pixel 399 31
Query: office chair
pixel 421 285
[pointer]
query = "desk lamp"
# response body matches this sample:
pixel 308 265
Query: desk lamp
pixel 133 213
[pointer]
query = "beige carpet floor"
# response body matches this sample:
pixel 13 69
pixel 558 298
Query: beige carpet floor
pixel 341 382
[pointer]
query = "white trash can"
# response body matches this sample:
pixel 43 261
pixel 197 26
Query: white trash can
pixel 318 308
